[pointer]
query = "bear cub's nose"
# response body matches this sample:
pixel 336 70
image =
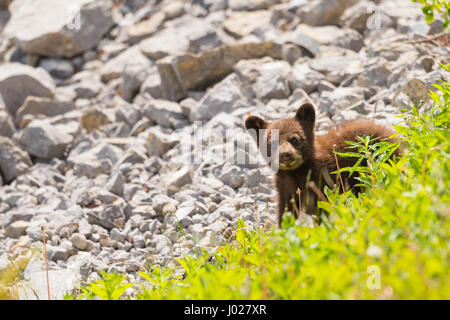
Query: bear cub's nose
pixel 286 157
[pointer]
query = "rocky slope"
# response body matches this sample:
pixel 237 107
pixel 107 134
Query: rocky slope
pixel 121 123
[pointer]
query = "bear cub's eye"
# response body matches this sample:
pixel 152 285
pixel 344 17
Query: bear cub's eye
pixel 294 141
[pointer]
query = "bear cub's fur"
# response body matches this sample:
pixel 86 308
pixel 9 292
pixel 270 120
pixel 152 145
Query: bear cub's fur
pixel 305 157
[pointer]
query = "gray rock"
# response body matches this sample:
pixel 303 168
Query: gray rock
pixel 87 85
pixel 56 253
pixel 179 178
pixel 232 177
pixel 337 68
pixel 111 216
pixel 16 229
pixel 291 53
pixel 115 184
pixel 255 178
pixel 303 77
pixel 324 12
pixel 327 35
pixel 79 241
pixel 220 98
pixel 44 140
pixel 160 201
pixel 58 68
pixel 90 161
pixel 376 74
pixel 186 72
pixel 166 42
pixel 43 106
pixel 340 98
pixel 159 142
pixel 93 119
pixel 272 82
pixel 18 81
pixel 53 29
pixel 152 84
pixel 197 231
pixel 131 58
pixel 35 284
pixel 144 29
pixel 356 16
pixel 248 5
pixel 7 128
pixel 163 112
pixel 13 160
pixel 240 24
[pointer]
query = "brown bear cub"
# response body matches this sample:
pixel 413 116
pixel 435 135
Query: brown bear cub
pixel 306 161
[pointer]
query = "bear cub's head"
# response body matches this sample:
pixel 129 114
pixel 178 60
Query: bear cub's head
pixel 296 136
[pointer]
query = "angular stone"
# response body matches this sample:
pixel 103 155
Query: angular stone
pixel 243 23
pixel 79 241
pixel 163 112
pixel 115 184
pixel 152 84
pixel 93 119
pixel 272 82
pixel 144 29
pixel 91 161
pixel 248 5
pixel 44 140
pixel 179 178
pixel 159 142
pixel 18 81
pixel 337 68
pixel 195 72
pixel 16 229
pixel 220 98
pixel 43 106
pixel 327 35
pixel 115 67
pixel 58 68
pixel 303 77
pixel 356 16
pixel 109 217
pixel 53 28
pixel 324 12
pixel 165 42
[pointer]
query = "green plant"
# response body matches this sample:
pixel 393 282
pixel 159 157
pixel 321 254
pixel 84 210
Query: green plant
pixel 433 8
pixel 110 287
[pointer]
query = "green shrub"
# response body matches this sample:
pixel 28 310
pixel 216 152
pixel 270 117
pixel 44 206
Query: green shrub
pixel 433 8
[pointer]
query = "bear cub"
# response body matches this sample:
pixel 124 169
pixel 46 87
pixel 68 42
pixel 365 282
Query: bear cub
pixel 306 160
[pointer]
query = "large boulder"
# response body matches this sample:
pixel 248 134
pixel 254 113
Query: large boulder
pixel 186 72
pixel 324 12
pixel 59 28
pixel 18 81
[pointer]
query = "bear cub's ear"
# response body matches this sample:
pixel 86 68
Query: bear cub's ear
pixel 306 113
pixel 256 123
